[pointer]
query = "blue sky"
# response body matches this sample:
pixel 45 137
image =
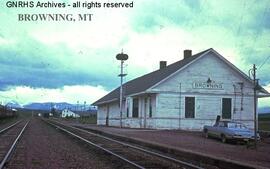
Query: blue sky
pixel 47 61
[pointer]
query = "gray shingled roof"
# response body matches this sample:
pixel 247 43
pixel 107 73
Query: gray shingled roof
pixel 144 82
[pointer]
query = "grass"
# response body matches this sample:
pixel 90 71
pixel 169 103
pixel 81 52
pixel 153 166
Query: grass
pixel 264 122
pixel 264 125
pixel 88 120
pixel 84 120
pixel 20 115
pixel 7 120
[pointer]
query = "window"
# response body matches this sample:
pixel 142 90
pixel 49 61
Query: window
pixel 150 107
pixel 135 107
pixel 221 124
pixel 226 108
pixel 189 107
pixel 236 125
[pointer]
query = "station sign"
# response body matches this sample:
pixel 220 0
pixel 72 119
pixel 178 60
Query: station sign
pixel 205 85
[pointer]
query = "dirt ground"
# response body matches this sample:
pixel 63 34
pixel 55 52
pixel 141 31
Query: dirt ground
pixel 195 142
pixel 44 147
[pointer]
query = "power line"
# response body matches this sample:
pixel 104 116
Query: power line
pixel 237 43
pixel 266 10
pixel 264 61
pixel 260 23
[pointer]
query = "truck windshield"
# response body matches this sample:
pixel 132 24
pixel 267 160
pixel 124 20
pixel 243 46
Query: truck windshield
pixel 236 125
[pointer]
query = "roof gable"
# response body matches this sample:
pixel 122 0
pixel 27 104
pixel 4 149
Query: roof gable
pixel 216 54
pixel 261 89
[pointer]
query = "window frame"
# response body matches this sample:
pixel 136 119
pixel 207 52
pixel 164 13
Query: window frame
pixel 194 113
pixel 221 111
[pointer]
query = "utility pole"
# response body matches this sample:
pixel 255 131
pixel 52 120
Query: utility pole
pixel 255 83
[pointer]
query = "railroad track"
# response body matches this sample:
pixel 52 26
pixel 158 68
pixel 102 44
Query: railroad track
pixel 9 137
pixel 10 126
pixel 135 156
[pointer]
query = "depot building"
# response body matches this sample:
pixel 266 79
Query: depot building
pixel 187 94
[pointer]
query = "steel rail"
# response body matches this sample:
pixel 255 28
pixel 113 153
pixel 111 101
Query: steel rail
pixel 95 145
pixel 3 162
pixel 138 148
pixel 3 130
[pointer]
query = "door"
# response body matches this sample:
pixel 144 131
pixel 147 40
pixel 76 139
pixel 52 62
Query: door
pixel 226 108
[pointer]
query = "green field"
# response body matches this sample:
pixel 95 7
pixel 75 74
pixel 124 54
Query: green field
pixel 84 120
pixel 264 125
pixel 88 120
pixel 7 120
pixel 264 121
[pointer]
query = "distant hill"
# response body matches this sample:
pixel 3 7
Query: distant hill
pixel 47 106
pixel 58 106
pixel 263 110
pixel 14 104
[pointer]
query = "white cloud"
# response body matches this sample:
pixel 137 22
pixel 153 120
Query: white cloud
pixel 4 41
pixel 70 94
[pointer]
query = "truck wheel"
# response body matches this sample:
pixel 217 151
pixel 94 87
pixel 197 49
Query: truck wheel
pixel 223 138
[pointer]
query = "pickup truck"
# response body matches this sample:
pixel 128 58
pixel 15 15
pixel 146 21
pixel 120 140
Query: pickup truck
pixel 228 130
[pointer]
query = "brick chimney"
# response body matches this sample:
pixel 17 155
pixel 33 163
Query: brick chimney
pixel 187 53
pixel 162 64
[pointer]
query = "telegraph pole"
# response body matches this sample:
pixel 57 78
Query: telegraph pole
pixel 255 103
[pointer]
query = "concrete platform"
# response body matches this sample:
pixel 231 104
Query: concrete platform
pixel 192 145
